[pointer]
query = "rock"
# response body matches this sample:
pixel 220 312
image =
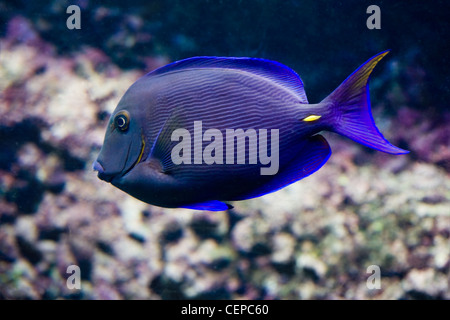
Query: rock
pixel 28 250
pixel 25 227
pixel 250 236
pixel 212 255
pixel 312 266
pixel 426 284
pixel 105 291
pixel 283 247
pixel 440 252
pixel 8 248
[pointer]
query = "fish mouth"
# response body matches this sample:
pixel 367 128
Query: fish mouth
pixel 109 177
pixel 96 166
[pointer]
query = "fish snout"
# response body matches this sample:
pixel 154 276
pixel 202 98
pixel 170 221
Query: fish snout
pixel 96 166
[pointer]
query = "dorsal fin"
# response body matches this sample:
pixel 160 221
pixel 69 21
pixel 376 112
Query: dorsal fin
pixel 271 70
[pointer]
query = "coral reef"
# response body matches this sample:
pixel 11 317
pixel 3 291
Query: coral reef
pixel 312 240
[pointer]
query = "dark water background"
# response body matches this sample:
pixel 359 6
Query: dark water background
pixel 322 40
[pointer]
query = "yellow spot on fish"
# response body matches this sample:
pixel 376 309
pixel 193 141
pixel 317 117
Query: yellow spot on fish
pixel 312 117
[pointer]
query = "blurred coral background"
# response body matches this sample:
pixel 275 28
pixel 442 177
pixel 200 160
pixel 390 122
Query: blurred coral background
pixel 312 240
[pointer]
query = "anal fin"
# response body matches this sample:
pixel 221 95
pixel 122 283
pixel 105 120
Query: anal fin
pixel 311 156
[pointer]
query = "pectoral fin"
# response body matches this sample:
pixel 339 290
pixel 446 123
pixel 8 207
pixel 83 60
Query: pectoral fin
pixel 163 145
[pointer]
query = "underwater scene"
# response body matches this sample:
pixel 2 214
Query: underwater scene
pixel 212 149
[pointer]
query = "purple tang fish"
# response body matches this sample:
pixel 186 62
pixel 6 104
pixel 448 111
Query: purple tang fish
pixel 205 130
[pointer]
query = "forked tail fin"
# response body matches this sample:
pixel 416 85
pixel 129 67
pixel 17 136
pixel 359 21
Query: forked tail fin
pixel 353 117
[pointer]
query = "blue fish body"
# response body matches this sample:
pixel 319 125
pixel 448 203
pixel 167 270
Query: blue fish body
pixel 205 130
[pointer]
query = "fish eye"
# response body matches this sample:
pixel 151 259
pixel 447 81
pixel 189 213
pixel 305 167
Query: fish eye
pixel 122 120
